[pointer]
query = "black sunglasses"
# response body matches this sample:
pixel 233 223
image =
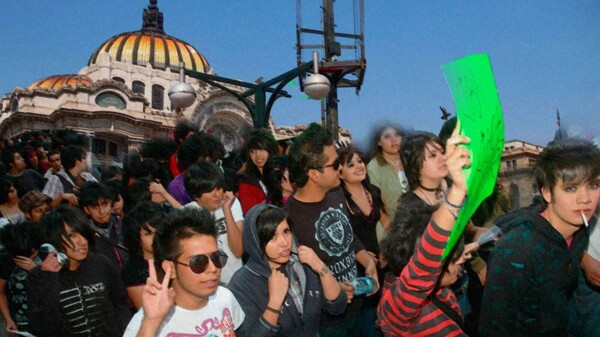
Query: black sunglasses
pixel 335 165
pixel 199 263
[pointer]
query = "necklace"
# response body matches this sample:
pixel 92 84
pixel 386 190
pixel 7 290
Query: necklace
pixel 437 189
pixel 395 163
pixel 438 194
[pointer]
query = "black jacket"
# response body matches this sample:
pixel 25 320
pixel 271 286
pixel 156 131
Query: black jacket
pixel 90 301
pixel 532 274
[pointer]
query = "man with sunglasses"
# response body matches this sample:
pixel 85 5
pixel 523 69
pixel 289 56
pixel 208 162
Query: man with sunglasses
pixel 319 217
pixel 182 296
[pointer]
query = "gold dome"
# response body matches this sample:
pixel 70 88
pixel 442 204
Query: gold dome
pixel 151 45
pixel 58 81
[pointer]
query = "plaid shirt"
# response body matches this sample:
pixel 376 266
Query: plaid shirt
pixel 54 186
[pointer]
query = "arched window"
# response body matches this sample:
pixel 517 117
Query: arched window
pixel 138 87
pixel 118 79
pixel 158 93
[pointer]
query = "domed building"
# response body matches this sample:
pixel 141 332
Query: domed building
pixel 121 96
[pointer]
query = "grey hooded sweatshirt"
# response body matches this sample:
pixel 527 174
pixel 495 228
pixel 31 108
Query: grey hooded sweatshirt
pixel 250 285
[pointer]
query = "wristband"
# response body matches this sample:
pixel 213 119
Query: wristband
pixel 275 311
pixel 453 211
pixel 459 207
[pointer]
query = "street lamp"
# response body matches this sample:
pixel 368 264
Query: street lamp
pixel 316 86
pixel 182 94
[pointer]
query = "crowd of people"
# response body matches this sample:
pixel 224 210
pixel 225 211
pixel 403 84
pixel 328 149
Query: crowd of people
pixel 311 238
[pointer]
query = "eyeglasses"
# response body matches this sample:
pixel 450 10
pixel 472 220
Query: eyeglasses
pixel 335 165
pixel 199 263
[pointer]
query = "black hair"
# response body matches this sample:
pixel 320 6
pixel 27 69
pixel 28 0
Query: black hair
pixel 20 239
pixel 203 177
pixel 159 149
pixel 25 151
pixel 52 227
pixel 345 155
pixel 406 229
pixel 412 154
pixel 8 156
pixel 116 189
pixel 307 152
pixel 92 192
pixel 376 133
pixel 182 224
pixel 137 192
pixel 266 224
pixel 213 147
pixel 573 160
pixel 258 139
pixel 52 153
pixel 274 171
pixel 6 182
pixel 447 129
pixel 111 173
pixel 143 216
pixel 191 150
pixel 69 155
pixel 182 128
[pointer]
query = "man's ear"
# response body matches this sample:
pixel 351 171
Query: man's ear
pixel 313 174
pixel 546 194
pixel 168 264
pixel 86 211
pixel 27 215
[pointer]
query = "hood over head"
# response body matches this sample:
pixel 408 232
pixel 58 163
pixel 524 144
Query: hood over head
pixel 257 260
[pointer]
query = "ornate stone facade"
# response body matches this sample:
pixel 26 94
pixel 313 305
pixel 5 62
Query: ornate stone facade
pixel 516 174
pixel 121 97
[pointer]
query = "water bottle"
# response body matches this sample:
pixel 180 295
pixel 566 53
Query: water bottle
pixel 47 248
pixel 363 285
pixel 489 235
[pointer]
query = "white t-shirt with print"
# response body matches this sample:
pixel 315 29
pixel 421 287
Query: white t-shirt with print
pixel 233 263
pixel 219 318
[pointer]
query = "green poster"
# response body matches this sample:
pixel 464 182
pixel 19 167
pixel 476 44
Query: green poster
pixel 477 104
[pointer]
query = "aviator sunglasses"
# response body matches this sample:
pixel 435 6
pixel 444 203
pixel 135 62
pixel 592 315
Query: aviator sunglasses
pixel 199 263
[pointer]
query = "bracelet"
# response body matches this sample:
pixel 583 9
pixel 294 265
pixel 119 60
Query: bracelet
pixel 275 311
pixel 459 207
pixel 323 271
pixel 453 211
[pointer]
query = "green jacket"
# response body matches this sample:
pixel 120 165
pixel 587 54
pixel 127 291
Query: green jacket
pixel 384 176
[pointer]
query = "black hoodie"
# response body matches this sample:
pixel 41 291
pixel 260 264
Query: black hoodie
pixel 250 285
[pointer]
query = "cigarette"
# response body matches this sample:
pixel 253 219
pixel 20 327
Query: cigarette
pixel 585 220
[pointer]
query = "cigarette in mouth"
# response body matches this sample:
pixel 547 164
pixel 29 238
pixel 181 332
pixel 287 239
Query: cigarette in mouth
pixel 584 220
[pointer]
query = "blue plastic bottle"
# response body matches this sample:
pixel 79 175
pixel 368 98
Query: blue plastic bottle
pixel 363 285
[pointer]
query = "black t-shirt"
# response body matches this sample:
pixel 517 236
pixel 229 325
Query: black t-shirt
pixel 135 272
pixel 325 227
pixel 29 180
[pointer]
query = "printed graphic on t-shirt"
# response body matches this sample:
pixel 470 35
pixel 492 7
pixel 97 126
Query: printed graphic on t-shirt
pixel 83 308
pixel 333 232
pixel 221 231
pixel 212 327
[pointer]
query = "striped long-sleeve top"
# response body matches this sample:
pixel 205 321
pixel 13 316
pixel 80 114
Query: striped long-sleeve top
pixel 406 309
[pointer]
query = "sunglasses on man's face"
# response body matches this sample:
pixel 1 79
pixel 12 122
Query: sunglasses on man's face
pixel 335 165
pixel 199 263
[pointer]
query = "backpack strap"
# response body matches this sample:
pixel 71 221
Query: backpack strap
pixel 447 310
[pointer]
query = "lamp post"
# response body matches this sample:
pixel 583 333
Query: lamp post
pixel 316 86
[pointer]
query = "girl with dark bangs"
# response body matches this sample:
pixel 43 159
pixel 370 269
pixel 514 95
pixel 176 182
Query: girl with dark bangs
pixel 366 209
